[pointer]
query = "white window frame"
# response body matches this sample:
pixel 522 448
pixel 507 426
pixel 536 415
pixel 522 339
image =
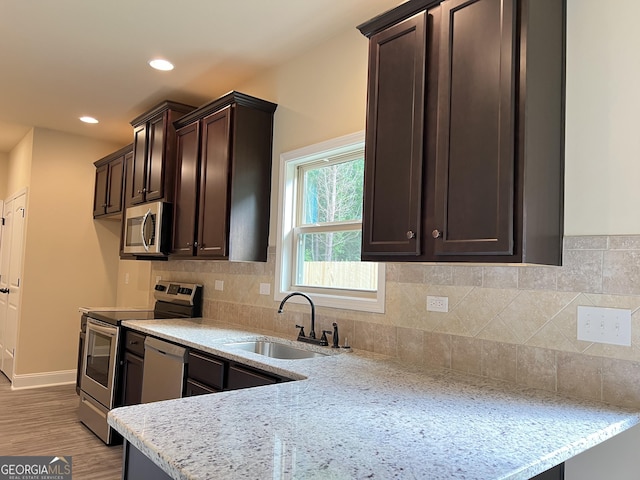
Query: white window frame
pixel 285 248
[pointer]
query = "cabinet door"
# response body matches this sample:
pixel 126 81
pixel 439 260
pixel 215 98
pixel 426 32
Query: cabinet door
pixel 186 196
pixel 243 378
pixel 100 191
pixel 394 151
pixel 136 190
pixel 114 191
pixel 155 159
pixel 133 366
pixel 474 193
pixel 213 218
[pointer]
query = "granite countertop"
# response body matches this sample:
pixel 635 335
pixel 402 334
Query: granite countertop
pixel 357 415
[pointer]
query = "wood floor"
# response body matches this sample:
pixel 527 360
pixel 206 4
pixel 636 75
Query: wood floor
pixel 44 421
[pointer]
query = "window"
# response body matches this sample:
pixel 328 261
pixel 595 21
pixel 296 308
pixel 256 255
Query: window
pixel 320 227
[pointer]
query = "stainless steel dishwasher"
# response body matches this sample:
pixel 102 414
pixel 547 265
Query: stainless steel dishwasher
pixel 163 372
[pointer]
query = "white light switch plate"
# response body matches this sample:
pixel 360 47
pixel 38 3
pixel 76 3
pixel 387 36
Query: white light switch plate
pixel 265 289
pixel 219 285
pixel 604 325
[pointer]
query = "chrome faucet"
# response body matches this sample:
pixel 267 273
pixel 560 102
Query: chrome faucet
pixel 312 333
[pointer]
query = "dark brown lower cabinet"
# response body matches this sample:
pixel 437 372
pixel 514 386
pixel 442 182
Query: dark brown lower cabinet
pixel 242 377
pixel 132 368
pixel 555 473
pixel 137 466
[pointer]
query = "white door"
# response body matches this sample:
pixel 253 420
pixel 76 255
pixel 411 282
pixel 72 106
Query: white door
pixel 4 278
pixel 15 216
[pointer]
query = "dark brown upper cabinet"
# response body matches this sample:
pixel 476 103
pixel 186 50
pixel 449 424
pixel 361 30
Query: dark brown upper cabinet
pixel 154 153
pixel 223 188
pixel 468 164
pixel 109 184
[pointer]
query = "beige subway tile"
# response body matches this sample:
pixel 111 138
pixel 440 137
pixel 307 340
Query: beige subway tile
pixel 536 368
pixel 364 336
pixel 498 330
pixel 438 275
pixel 450 323
pixel 467 276
pixel 405 304
pixel 499 360
pixel 581 271
pixel 266 318
pixel 437 349
pixel 523 316
pixel 346 330
pixel 579 375
pixel 566 323
pixel 621 352
pixel 385 340
pixel 228 312
pixel 481 306
pixel 550 336
pixel 624 242
pixel 500 277
pixel 631 302
pixel 406 272
pixel 466 354
pixel 621 383
pixel 410 346
pixel 537 278
pixel 588 242
pixel 621 272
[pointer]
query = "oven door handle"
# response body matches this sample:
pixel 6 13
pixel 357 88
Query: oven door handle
pixel 145 217
pixel 110 331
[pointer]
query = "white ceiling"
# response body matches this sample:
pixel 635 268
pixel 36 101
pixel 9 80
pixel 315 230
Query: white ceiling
pixel 61 59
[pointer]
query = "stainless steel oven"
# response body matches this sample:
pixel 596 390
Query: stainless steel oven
pixel 101 361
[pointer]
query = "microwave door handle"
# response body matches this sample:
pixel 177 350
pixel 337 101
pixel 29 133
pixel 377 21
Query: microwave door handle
pixel 142 225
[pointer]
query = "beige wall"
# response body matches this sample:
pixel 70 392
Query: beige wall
pixel 70 259
pixel 4 175
pixel 19 168
pixel 602 141
pixel 134 279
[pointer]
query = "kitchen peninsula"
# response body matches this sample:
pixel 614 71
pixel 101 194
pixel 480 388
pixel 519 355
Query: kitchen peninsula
pixel 357 415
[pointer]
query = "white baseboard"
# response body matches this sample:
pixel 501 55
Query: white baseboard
pixel 45 379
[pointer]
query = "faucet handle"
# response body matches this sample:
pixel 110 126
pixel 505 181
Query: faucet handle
pixel 301 332
pixel 323 340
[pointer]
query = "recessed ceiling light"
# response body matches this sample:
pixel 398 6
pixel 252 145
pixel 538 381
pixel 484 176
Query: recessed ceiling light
pixel 160 64
pixel 88 120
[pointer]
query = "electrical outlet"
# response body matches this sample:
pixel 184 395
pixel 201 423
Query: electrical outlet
pixel 437 304
pixel 219 285
pixel 265 289
pixel 604 325
pixel 158 278
pixel 126 278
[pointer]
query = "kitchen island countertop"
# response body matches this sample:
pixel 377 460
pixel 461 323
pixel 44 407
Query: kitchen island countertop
pixel 357 415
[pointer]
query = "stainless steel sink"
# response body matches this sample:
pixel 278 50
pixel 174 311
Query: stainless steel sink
pixel 275 350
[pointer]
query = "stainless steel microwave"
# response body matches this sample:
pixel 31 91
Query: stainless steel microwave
pixel 147 229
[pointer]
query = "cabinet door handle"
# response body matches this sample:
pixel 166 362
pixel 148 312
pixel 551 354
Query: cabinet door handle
pixel 436 233
pixel 411 234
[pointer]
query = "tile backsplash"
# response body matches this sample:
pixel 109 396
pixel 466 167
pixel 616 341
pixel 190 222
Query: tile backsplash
pixel 510 322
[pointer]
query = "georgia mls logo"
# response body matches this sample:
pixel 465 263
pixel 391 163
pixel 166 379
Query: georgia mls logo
pixel 35 468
